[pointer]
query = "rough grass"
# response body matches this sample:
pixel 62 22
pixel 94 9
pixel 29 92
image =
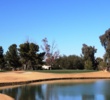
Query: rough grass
pixel 3 71
pixel 65 71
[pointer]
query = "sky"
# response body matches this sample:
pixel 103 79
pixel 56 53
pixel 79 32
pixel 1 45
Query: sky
pixel 70 23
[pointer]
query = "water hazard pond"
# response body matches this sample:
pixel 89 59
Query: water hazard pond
pixel 62 90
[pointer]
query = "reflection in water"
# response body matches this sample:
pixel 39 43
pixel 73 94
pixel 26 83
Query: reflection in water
pixel 88 97
pixel 97 90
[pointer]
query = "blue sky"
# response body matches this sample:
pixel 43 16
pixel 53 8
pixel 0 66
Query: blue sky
pixel 70 23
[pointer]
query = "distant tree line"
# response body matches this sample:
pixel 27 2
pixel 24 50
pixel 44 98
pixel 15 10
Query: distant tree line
pixel 87 60
pixel 25 57
pixel 28 57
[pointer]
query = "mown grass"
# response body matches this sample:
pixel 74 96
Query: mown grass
pixel 3 71
pixel 65 71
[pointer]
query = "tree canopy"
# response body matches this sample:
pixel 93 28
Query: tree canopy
pixel 69 62
pixel 105 41
pixel 88 53
pixel 2 61
pixel 28 54
pixel 12 56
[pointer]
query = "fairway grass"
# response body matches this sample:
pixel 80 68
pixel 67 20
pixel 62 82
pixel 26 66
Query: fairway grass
pixel 65 71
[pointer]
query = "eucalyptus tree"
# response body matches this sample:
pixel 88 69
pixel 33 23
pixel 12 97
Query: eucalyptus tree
pixel 105 41
pixel 2 61
pixel 88 53
pixel 12 57
pixel 28 55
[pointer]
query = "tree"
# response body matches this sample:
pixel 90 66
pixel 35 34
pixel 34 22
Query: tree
pixel 2 61
pixel 62 62
pixel 12 57
pixel 88 53
pixel 75 62
pixel 88 64
pixel 69 62
pixel 41 58
pixel 105 41
pixel 28 55
pixel 102 65
pixel 50 52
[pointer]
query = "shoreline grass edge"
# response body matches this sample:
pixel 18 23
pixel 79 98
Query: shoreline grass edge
pixel 48 79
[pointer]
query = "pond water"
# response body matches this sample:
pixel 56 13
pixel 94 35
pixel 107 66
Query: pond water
pixel 62 90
